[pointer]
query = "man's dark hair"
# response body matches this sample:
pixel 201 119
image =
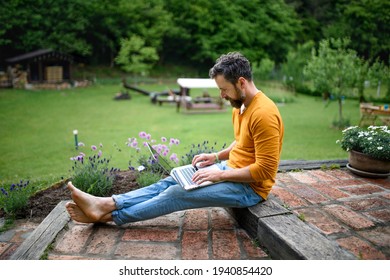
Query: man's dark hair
pixel 232 66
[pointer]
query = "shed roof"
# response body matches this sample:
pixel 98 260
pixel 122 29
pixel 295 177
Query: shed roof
pixel 39 54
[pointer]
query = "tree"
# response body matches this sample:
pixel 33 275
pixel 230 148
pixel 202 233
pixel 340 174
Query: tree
pixel 366 23
pixel 206 29
pixel 379 73
pixel 296 61
pixel 333 70
pixel 27 25
pixel 135 57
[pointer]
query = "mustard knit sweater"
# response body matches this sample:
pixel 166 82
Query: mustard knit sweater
pixel 258 132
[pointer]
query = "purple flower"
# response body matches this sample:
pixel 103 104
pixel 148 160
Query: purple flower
pixel 94 148
pixel 142 134
pixel 174 158
pixel 174 141
pixel 100 153
pixel 4 191
pixel 163 139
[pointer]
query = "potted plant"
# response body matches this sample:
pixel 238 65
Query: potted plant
pixel 369 150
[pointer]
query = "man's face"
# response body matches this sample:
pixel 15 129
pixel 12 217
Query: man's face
pixel 230 92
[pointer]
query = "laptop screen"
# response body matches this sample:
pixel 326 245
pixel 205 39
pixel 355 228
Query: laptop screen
pixel 160 160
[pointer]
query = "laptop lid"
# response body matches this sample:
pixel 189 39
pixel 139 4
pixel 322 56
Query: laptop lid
pixel 160 160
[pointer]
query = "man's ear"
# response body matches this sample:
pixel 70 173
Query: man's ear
pixel 242 82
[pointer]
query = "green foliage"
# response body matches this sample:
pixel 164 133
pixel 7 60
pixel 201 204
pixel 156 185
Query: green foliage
pixel 264 69
pixel 205 29
pixel 302 217
pixel 366 23
pixel 14 198
pixel 192 32
pixel 92 174
pixel 373 141
pixel 33 24
pixel 134 57
pixel 293 68
pixel 330 167
pixel 196 149
pixel 334 70
pixel 8 223
pixel 146 178
pixel 379 73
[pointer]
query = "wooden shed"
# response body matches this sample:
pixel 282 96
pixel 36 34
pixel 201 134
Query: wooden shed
pixel 41 66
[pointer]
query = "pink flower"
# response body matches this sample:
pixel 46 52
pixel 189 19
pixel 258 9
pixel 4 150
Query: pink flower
pixel 174 158
pixel 142 134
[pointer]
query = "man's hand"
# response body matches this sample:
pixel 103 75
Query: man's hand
pixel 205 175
pixel 203 160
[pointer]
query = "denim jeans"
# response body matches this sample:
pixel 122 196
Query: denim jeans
pixel 166 196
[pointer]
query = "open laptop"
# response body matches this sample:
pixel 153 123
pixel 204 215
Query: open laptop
pixel 182 174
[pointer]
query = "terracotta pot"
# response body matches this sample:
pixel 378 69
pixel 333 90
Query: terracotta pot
pixel 367 163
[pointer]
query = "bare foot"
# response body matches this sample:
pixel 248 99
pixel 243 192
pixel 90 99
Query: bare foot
pixel 97 209
pixel 76 214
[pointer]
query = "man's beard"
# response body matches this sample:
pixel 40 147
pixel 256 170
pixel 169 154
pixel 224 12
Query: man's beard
pixel 237 103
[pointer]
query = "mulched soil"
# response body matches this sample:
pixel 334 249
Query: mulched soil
pixel 41 203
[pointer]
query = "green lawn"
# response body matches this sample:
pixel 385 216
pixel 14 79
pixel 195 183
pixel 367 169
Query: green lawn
pixel 37 127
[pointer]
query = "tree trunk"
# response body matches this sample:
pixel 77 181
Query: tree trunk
pixel 341 121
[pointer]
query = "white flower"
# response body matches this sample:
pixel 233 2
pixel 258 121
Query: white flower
pixel 141 168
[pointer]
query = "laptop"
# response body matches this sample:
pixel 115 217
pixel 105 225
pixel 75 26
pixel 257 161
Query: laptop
pixel 182 174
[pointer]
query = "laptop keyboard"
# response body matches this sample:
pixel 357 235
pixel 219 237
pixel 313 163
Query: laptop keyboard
pixel 188 173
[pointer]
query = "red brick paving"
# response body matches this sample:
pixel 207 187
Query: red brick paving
pixel 355 213
pixel 194 234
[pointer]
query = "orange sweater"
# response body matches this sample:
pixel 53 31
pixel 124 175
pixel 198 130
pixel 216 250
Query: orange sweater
pixel 259 136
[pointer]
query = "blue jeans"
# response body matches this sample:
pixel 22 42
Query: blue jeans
pixel 166 196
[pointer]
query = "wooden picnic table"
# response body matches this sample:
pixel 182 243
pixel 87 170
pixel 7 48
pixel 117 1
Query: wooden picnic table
pixel 369 113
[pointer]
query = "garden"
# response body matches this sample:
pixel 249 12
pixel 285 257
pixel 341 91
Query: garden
pixel 38 144
pixel 317 76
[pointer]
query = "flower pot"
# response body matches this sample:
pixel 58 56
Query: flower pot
pixel 367 165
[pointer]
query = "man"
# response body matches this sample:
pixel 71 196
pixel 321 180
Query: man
pixel 248 166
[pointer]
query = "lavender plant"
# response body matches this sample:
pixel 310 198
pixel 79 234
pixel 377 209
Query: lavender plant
pixel 200 148
pixel 93 173
pixel 15 197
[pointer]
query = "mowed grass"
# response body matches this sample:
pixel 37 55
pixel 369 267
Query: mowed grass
pixel 37 127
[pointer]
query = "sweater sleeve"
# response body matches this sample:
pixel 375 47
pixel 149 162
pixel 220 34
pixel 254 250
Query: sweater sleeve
pixel 266 133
